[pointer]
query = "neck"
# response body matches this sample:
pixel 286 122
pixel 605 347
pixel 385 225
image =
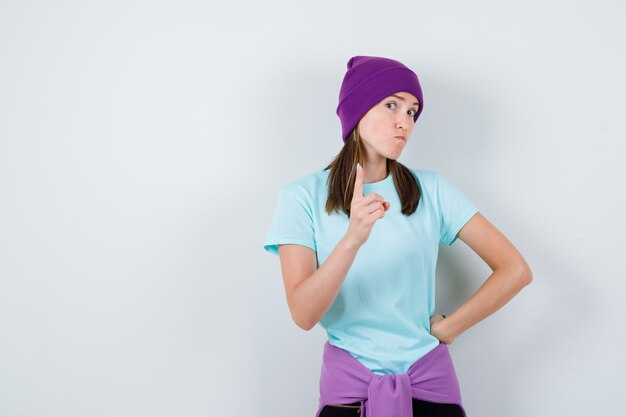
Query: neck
pixel 375 171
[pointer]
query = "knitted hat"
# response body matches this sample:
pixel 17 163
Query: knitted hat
pixel 370 79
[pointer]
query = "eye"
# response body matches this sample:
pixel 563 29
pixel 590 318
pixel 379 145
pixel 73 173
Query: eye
pixel 391 103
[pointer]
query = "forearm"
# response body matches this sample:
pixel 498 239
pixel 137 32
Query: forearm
pixel 313 297
pixel 499 288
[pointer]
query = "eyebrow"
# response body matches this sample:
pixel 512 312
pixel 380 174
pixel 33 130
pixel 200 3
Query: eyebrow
pixel 402 98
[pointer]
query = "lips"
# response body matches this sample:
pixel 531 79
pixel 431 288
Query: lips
pixel 401 137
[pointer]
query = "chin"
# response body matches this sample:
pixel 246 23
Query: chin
pixel 394 155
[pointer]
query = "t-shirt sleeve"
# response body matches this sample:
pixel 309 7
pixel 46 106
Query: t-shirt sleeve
pixel 292 223
pixel 455 208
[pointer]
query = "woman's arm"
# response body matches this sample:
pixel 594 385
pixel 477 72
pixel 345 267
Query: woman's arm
pixel 311 291
pixel 510 274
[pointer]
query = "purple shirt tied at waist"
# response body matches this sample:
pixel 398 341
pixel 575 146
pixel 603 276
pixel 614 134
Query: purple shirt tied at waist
pixel 345 380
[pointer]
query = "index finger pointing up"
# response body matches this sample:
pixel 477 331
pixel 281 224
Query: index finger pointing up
pixel 358 184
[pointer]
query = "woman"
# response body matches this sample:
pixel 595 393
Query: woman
pixel 358 244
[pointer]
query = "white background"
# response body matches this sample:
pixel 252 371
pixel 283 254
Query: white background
pixel 143 145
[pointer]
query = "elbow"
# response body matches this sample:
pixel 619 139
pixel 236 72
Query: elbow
pixel 519 275
pixel 300 316
pixel 525 275
pixel 306 327
pixel 529 277
pixel 519 271
pixel 303 323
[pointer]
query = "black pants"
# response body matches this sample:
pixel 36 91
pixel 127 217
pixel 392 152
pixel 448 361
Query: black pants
pixel 420 408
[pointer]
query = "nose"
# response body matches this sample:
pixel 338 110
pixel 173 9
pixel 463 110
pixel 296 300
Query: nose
pixel 402 121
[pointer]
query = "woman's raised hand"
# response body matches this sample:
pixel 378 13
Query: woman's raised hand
pixel 364 211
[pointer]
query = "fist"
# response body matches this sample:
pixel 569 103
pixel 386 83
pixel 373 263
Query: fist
pixel 437 329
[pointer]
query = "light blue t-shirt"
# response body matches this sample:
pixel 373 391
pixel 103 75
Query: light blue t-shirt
pixel 381 314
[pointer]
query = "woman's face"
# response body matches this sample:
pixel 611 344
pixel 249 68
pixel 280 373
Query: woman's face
pixel 383 123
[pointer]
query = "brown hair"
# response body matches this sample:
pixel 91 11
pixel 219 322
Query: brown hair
pixel 343 173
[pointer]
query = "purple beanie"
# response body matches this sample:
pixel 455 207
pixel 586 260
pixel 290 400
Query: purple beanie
pixel 370 79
